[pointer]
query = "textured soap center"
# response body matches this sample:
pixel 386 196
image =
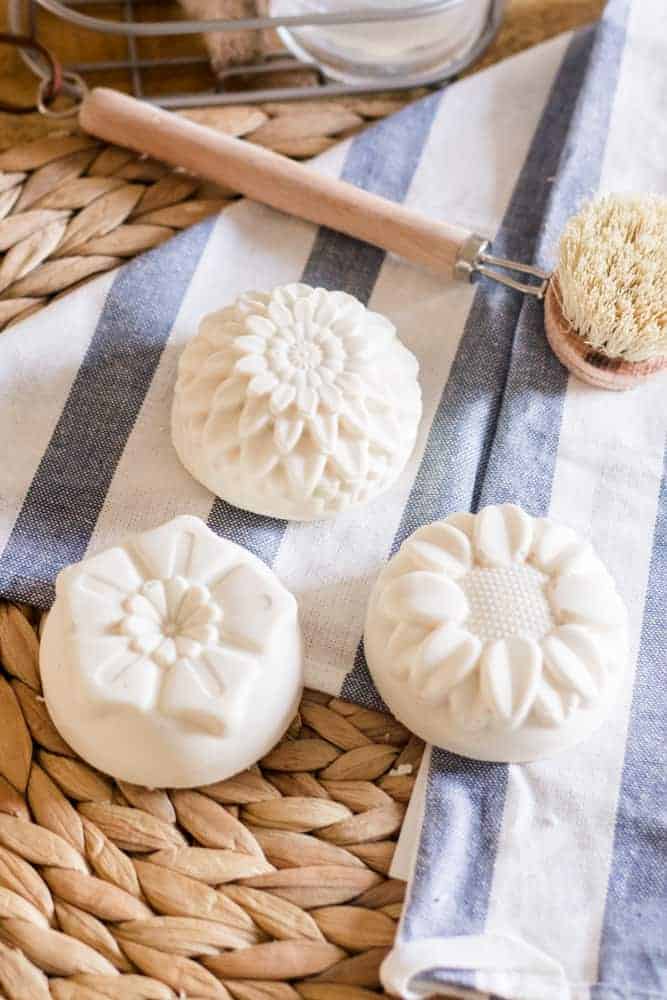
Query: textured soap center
pixel 168 619
pixel 306 355
pixel 507 600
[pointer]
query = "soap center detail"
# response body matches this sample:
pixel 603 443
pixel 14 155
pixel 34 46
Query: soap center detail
pixel 305 355
pixel 506 601
pixel 170 619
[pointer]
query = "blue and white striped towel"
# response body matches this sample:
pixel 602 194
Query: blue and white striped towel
pixel 539 881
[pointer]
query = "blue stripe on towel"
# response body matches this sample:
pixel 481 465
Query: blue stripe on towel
pixel 633 949
pixel 98 417
pixel 452 876
pixel 512 457
pixel 382 160
pixel 522 455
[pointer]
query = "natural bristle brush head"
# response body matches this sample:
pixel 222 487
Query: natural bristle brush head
pixel 606 304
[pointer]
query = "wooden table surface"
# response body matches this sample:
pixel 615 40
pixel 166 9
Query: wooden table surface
pixel 526 23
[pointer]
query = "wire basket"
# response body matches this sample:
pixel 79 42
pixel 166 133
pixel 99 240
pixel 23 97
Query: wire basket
pixel 122 19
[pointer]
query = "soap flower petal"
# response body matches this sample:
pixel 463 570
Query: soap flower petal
pixel 549 707
pixel 93 595
pixel 304 469
pixel 259 453
pixel 351 457
pixel 401 647
pixel 255 415
pixel 282 396
pixel 575 661
pixel 252 609
pixel 579 598
pixel 447 656
pixel 510 672
pixel 185 697
pixel 502 535
pixel 463 521
pixel 467 704
pixel 129 678
pixel 250 343
pixel 324 428
pixel 558 550
pixel 286 433
pixel 263 384
pixel 552 542
pixel 251 364
pixel 442 548
pixel 425 599
pixel 229 394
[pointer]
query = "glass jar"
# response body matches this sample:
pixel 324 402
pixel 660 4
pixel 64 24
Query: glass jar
pixel 427 44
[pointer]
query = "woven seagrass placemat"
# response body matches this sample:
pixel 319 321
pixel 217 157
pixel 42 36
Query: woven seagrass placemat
pixel 71 208
pixel 272 885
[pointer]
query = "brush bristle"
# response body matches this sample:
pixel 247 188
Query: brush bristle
pixel 612 275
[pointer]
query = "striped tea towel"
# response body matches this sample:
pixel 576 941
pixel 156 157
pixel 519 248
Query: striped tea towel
pixel 530 882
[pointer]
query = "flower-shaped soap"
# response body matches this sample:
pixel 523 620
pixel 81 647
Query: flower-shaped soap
pixel 173 659
pixel 296 404
pixel 499 636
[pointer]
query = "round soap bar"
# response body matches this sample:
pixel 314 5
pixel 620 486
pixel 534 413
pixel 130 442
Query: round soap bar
pixel 297 403
pixel 172 660
pixel 499 636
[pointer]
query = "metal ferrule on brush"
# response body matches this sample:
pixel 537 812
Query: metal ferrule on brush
pixel 474 259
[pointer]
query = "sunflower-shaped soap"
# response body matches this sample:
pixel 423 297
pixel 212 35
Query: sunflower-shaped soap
pixel 172 659
pixel 298 403
pixel 499 636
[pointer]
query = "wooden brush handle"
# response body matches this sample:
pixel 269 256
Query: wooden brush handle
pixel 272 179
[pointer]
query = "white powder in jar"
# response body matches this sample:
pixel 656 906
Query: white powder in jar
pixel 383 48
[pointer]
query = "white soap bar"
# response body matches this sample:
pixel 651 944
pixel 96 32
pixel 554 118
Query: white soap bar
pixel 498 636
pixel 296 404
pixel 172 660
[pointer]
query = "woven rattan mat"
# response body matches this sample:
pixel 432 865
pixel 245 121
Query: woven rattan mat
pixel 272 885
pixel 269 886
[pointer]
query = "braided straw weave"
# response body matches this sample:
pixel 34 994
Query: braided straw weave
pixel 72 207
pixel 269 886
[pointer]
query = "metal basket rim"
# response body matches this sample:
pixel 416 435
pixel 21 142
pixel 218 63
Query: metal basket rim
pixel 326 87
pixel 140 29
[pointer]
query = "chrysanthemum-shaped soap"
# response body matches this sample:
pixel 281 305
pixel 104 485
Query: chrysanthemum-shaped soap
pixel 173 659
pixel 499 636
pixel 296 404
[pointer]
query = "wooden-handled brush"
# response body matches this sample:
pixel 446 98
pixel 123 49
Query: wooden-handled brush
pixel 605 304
